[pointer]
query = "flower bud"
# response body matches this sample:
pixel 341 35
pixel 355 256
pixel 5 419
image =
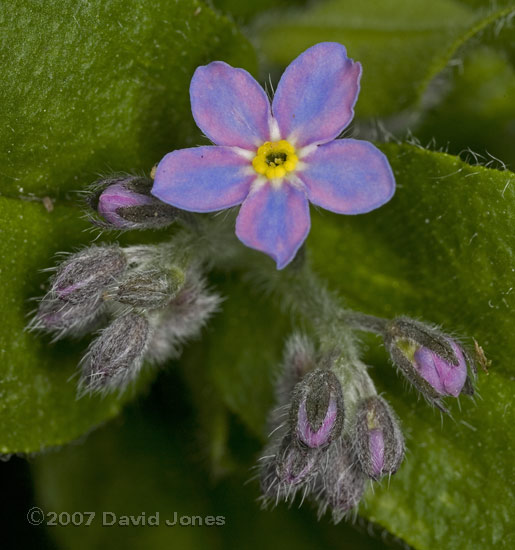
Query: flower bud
pixel 434 363
pixel 83 276
pixel 63 318
pixel 340 483
pixel 287 468
pixel 74 303
pixel 294 464
pixel 317 411
pixel 378 439
pixel 150 289
pixel 125 202
pixel 116 356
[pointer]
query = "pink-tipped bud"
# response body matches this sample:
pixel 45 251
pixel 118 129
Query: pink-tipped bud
pixel 317 410
pixel 378 439
pixel 432 361
pixel 64 318
pixel 125 202
pixel 74 304
pixel 287 468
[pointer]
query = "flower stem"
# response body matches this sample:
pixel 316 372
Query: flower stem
pixel 366 323
pixel 299 291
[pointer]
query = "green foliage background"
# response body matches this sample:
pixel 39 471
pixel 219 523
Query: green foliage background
pixel 89 88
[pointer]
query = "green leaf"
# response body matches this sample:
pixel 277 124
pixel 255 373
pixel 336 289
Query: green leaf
pixel 402 44
pixel 86 88
pixel 441 250
pixel 146 464
pixel 479 111
pixel 245 11
pixel 101 86
pixel 486 5
pixel 217 371
pixel 230 358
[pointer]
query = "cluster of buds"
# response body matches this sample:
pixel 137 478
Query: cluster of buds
pixel 147 304
pixel 320 445
pixel 331 432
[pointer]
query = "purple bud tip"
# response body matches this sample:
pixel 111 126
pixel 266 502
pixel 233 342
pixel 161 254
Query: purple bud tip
pixel 68 282
pixel 118 196
pixel 376 448
pixel 444 377
pixel 316 438
pixel 63 292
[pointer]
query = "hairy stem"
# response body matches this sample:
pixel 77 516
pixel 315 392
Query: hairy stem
pixel 303 293
pixel 367 323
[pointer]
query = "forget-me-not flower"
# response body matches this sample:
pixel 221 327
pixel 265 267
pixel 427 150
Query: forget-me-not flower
pixel 274 159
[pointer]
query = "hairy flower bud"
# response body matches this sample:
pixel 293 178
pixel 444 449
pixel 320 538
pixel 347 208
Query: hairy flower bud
pixel 434 363
pixel 378 439
pixel 83 276
pixel 74 302
pixel 125 202
pixel 340 483
pixel 287 468
pixel 150 289
pixel 116 356
pixel 317 411
pixel 294 464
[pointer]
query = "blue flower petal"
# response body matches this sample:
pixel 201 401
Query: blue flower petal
pixel 275 220
pixel 348 176
pixel 203 179
pixel 315 97
pixel 229 106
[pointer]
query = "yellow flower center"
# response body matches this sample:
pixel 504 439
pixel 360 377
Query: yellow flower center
pixel 274 159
